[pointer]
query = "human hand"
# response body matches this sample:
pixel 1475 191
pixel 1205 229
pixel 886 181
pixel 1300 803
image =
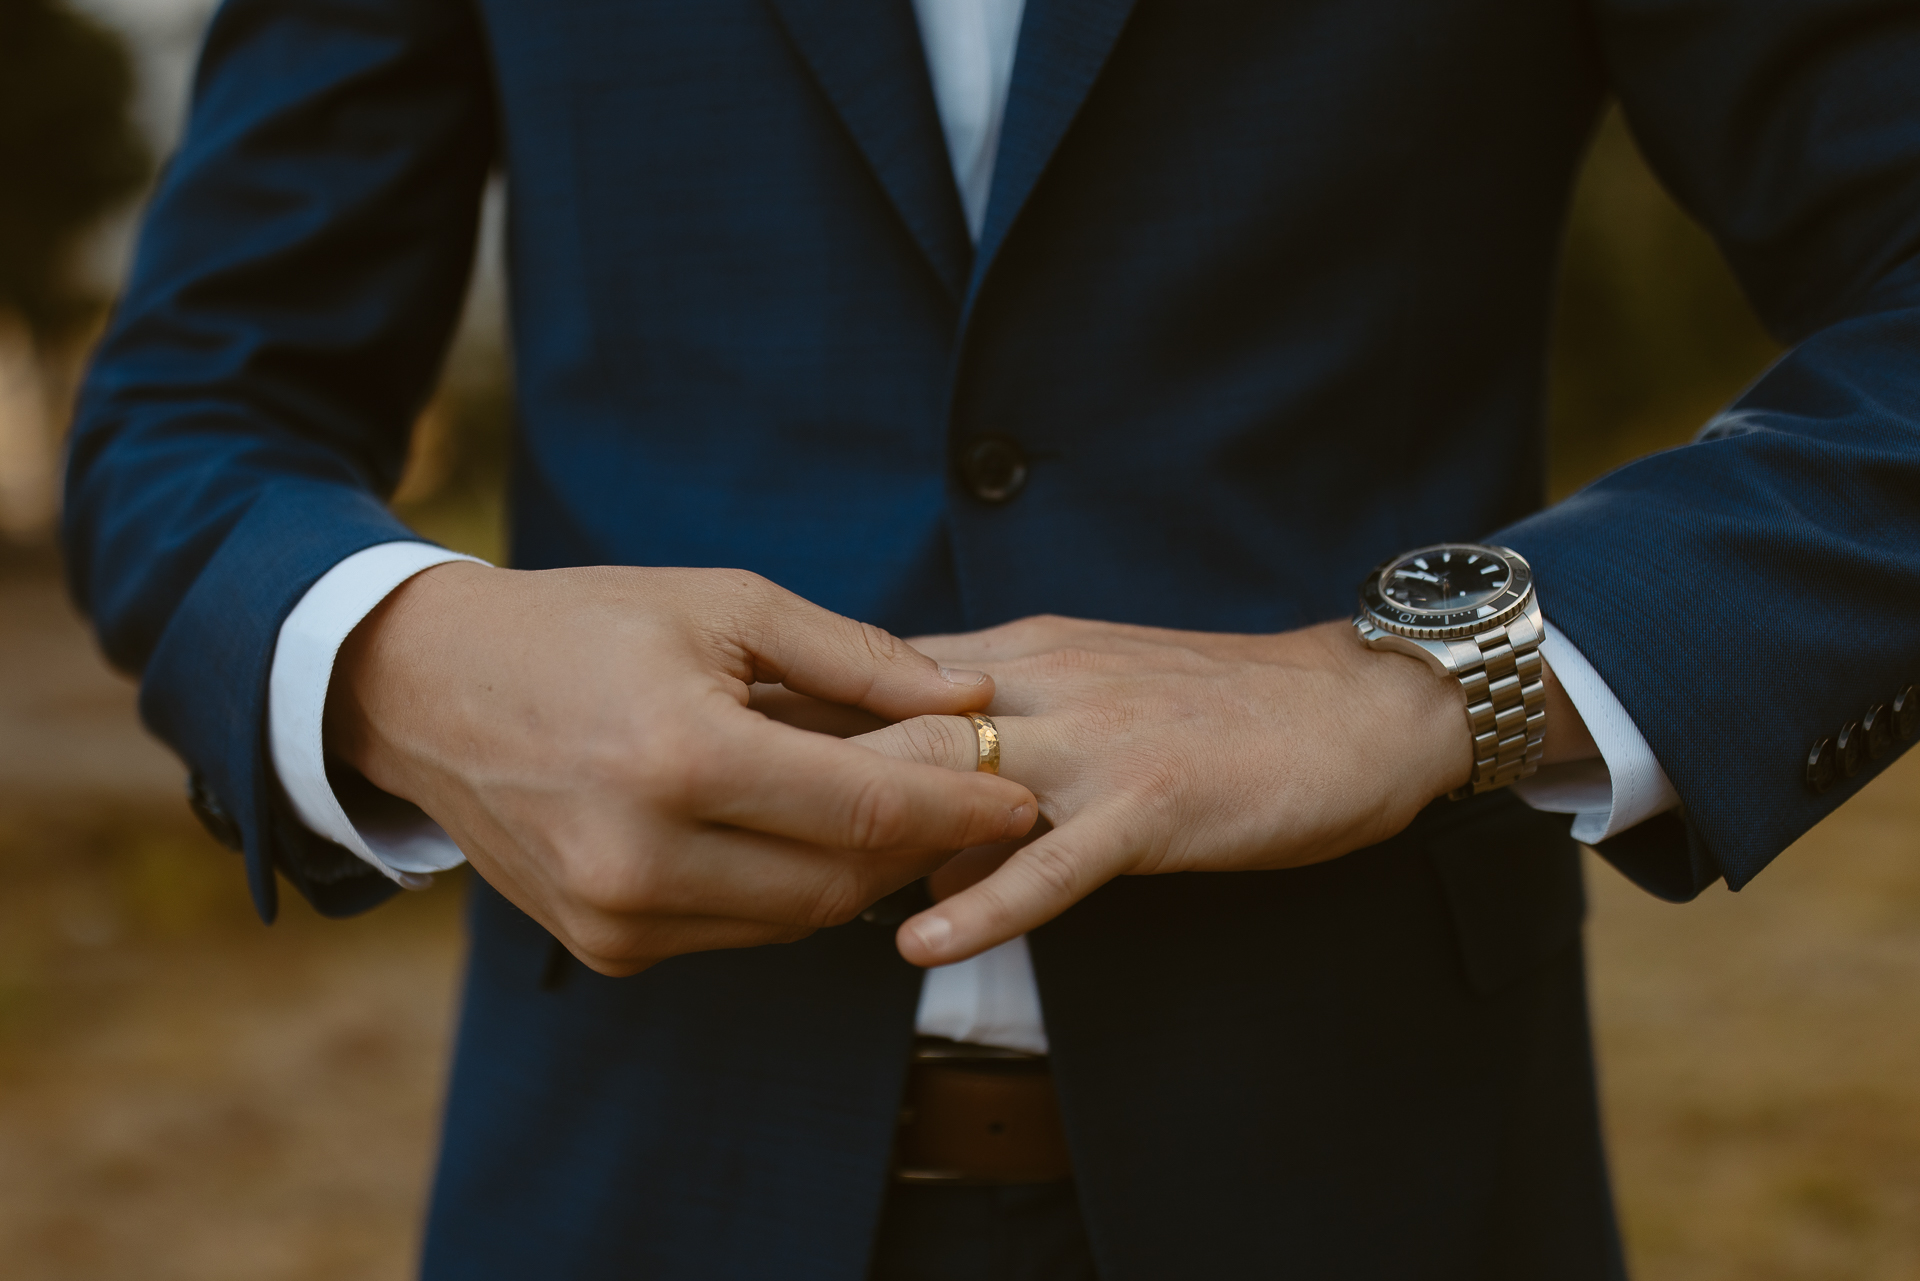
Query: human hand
pixel 584 737
pixel 1165 751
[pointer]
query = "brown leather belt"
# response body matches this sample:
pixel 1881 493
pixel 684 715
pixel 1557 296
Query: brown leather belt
pixel 974 1114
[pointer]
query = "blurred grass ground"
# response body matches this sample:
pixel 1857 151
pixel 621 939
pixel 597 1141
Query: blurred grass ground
pixel 186 1095
pixel 1760 1057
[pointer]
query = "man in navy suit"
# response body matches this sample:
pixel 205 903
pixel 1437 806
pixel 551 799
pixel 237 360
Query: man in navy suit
pixel 972 321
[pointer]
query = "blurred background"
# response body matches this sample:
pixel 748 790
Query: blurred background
pixel 186 1094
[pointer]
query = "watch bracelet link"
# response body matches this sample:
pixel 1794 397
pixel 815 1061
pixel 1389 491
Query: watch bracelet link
pixel 1503 676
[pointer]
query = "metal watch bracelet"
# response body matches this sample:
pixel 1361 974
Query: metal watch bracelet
pixel 1504 679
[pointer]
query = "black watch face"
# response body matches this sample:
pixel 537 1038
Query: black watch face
pixel 1445 580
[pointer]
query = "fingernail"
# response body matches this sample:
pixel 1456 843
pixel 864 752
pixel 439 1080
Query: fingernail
pixel 1019 819
pixel 933 933
pixel 961 676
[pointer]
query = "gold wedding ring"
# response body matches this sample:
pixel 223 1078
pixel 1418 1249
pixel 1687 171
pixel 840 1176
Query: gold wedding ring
pixel 989 737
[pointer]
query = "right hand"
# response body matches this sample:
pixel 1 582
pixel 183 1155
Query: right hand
pixel 583 735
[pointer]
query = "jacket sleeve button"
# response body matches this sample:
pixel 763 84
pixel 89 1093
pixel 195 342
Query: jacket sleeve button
pixel 1850 749
pixel 1820 765
pixel 1877 724
pixel 212 815
pixel 1906 712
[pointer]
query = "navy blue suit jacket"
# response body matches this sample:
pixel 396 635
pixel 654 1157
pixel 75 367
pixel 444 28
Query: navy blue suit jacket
pixel 1263 292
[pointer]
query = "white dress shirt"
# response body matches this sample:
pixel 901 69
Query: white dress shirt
pixel 991 999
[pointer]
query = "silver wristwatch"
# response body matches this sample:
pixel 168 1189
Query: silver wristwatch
pixel 1469 612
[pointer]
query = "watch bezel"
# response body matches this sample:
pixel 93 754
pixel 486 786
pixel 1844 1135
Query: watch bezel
pixel 1422 624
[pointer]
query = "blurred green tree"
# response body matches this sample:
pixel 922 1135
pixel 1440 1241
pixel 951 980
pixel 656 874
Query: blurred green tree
pixel 68 152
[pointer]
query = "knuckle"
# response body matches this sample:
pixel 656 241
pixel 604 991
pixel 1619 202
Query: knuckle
pixel 880 646
pixel 650 758
pixel 737 602
pixel 1053 867
pixel 686 767
pixel 877 816
pixel 936 740
pixel 609 887
pixel 835 902
pixel 788 933
pixel 589 888
pixel 1156 779
pixel 603 945
pixel 735 583
pixel 673 764
pixel 1036 624
pixel 1155 792
pixel 618 968
pixel 1042 632
pixel 1068 660
pixel 1111 720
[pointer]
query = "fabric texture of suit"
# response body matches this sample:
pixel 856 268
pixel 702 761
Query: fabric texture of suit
pixel 1263 293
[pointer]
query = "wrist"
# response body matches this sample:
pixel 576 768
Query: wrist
pixel 1412 720
pixel 1568 738
pixel 1417 715
pixel 1408 697
pixel 378 669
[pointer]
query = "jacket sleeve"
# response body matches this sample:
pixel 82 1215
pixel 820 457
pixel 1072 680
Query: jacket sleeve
pixel 296 283
pixel 1752 593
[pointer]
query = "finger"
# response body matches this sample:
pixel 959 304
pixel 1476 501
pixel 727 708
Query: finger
pixel 777 702
pixel 618 943
pixel 971 866
pixel 950 742
pixel 1030 746
pixel 604 869
pixel 814 651
pixel 783 781
pixel 746 876
pixel 1038 883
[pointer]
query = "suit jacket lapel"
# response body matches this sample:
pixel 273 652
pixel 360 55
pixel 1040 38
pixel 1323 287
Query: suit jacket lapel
pixel 868 57
pixel 1063 45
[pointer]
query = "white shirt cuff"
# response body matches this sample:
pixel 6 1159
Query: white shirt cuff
pixel 1626 785
pixel 398 840
pixel 988 1000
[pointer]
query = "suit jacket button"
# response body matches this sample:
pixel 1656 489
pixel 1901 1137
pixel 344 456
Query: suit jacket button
pixel 1820 765
pixel 1906 712
pixel 212 815
pixel 1877 724
pixel 1850 748
pixel 993 468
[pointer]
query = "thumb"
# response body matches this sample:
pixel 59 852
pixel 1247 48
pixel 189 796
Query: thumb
pixel 814 651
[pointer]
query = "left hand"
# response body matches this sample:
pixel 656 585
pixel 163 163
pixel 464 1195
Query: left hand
pixel 1165 751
